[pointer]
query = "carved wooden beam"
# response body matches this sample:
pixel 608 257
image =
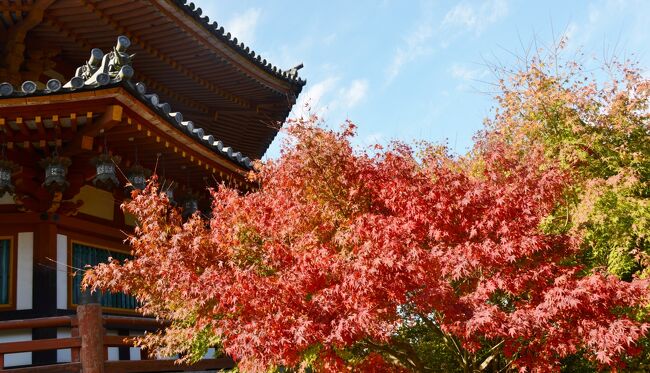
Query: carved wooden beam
pixel 15 42
pixel 85 136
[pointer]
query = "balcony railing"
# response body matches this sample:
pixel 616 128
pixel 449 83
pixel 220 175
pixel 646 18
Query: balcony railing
pixel 79 358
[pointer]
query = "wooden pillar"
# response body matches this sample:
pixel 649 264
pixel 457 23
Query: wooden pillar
pixel 44 280
pixel 44 290
pixel 91 330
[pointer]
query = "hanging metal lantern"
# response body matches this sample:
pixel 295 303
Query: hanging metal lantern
pixel 167 186
pixel 170 194
pixel 56 169
pixel 7 168
pixel 137 176
pixel 190 206
pixel 168 189
pixel 105 177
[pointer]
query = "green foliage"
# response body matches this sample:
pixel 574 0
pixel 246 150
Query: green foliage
pixel 430 347
pixel 600 133
pixel 201 342
pixel 392 262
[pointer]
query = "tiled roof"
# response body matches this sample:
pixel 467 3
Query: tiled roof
pixel 176 119
pixel 195 12
pixel 96 76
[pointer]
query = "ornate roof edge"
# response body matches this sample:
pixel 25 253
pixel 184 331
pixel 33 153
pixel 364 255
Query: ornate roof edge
pixel 114 69
pixel 138 91
pixel 290 75
pixel 163 109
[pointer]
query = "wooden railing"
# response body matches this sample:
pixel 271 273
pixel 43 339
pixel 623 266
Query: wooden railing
pixel 78 364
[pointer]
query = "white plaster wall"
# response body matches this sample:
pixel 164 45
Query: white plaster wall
pixel 25 270
pixel 63 355
pixel 23 358
pixel 61 271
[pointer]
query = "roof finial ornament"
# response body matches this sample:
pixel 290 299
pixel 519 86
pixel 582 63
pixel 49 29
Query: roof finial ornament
pixel 102 69
pixel 294 70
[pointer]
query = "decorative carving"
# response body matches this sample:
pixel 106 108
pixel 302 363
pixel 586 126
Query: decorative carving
pixel 102 69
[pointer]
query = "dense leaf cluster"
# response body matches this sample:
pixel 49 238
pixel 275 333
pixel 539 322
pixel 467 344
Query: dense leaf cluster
pixel 525 254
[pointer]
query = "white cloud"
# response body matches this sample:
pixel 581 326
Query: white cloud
pixel 372 139
pixel 355 93
pixel 416 45
pixel 467 75
pixel 571 31
pixel 243 25
pixel 331 97
pixel 329 39
pixel 471 17
pixel 312 100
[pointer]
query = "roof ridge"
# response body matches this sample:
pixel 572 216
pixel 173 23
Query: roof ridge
pixel 290 75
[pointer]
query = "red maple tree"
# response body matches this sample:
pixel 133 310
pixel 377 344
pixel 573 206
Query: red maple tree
pixel 338 250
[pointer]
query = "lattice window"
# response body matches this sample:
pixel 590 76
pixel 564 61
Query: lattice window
pixel 83 255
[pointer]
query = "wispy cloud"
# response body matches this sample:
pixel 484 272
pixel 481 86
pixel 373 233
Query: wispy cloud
pixel 467 75
pixel 416 44
pixel 372 139
pixel 243 25
pixel 314 98
pixel 355 93
pixel 600 20
pixel 329 38
pixel 475 17
pixel 331 96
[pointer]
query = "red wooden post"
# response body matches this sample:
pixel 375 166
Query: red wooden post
pixel 74 332
pixel 91 330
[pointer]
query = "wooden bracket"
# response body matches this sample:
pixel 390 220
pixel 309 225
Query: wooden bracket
pixel 84 139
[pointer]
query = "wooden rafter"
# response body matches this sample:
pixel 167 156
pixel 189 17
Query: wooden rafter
pixel 150 82
pixel 40 135
pixel 161 88
pixel 208 40
pixel 168 60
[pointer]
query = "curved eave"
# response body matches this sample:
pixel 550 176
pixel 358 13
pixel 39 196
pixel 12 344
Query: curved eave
pixel 241 56
pixel 126 94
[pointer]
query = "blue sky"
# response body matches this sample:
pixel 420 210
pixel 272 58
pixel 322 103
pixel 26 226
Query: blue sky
pixel 412 70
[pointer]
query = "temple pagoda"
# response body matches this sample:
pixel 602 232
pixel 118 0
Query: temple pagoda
pixel 95 96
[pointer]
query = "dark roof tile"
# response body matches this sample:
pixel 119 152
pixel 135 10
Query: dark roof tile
pixel 28 88
pixel 195 12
